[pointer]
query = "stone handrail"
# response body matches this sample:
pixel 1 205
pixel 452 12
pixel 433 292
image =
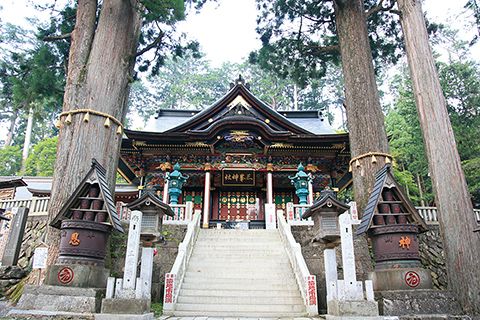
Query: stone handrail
pixel 182 213
pixel 36 206
pixel 294 213
pixel 306 281
pixel 430 216
pixel 174 279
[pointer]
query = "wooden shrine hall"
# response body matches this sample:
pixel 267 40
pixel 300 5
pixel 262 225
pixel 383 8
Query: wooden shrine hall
pixel 238 155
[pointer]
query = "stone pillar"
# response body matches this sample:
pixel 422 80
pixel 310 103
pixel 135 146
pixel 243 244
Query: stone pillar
pixel 269 183
pixel 206 196
pixel 331 274
pixel 133 244
pixel 310 192
pixel 348 259
pixel 165 188
pixel 14 242
pixel 146 270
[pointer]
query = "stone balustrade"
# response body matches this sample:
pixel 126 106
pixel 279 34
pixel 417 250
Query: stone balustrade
pixel 37 206
pixel 174 278
pixel 184 212
pixel 306 281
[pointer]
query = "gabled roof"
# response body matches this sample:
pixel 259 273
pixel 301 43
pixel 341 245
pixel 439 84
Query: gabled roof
pixel 239 109
pixel 385 178
pixel 96 175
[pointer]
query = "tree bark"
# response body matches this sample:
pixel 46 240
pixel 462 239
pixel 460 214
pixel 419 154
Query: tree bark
pixel 99 72
pixel 456 217
pixel 365 119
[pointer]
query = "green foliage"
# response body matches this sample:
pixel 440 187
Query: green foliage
pixel 10 160
pixel 298 38
pixel 461 87
pixel 41 160
pixel 157 308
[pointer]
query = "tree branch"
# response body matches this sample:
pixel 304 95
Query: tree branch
pixel 152 45
pixel 380 7
pixel 320 50
pixel 60 37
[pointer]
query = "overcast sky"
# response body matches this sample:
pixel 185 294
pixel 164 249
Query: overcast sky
pixel 226 29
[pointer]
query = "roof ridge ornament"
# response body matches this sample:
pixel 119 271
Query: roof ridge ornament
pixel 240 81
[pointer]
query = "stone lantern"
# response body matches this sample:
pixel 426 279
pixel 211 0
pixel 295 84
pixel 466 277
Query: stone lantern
pixel 176 182
pixel 153 210
pixel 325 212
pixel 300 181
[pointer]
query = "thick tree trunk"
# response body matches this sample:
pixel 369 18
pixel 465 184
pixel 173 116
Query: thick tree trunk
pixel 456 217
pixel 98 78
pixel 365 119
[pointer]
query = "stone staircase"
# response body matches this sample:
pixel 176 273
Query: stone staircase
pixel 239 273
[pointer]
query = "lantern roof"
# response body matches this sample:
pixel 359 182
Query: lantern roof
pixel 327 201
pixel 150 201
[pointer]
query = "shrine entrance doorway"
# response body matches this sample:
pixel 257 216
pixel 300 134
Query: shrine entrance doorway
pixel 238 208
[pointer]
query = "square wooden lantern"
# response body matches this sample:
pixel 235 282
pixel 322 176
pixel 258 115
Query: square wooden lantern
pixel 153 210
pixel 325 212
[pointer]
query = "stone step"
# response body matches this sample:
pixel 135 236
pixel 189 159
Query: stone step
pixel 239 283
pixel 240 300
pixel 238 291
pixel 244 308
pixel 245 254
pixel 253 274
pixel 222 262
pixel 239 245
pixel 240 314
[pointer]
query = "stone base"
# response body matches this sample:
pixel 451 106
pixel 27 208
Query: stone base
pixel 353 308
pixel 424 302
pixel 113 316
pixel 44 315
pixel 76 276
pixel 61 299
pixel 401 279
pixel 329 317
pixel 126 306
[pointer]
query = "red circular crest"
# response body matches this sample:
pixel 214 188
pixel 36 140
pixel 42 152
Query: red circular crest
pixel 65 275
pixel 412 279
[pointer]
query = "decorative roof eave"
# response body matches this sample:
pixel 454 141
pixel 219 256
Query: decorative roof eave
pixel 12 183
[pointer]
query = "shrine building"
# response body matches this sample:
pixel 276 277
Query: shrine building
pixel 238 155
